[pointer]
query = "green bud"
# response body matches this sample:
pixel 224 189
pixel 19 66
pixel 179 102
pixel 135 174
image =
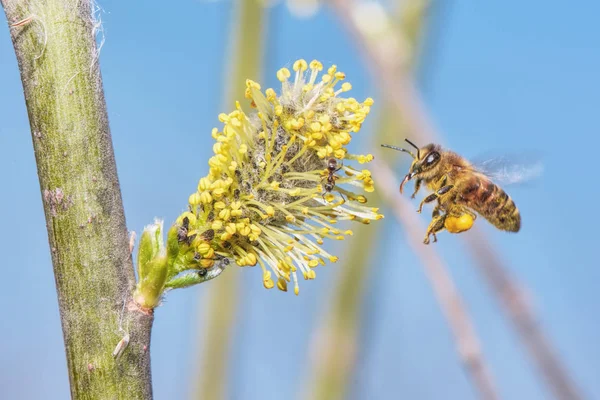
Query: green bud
pixel 152 266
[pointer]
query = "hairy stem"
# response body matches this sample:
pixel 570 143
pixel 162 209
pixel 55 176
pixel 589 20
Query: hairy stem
pixel 55 45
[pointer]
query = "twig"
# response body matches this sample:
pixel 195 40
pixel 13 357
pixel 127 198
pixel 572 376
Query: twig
pixel 400 91
pixel 81 198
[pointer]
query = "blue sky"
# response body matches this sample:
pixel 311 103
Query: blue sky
pixel 502 77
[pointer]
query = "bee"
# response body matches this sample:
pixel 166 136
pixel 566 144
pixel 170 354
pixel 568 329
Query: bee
pixel 461 189
pixel 331 169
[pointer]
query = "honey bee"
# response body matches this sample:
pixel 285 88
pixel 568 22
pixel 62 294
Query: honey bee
pixel 461 189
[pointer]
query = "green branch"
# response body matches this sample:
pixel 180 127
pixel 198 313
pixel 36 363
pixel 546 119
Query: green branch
pixel 55 46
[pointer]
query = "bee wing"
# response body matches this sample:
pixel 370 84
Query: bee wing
pixel 509 169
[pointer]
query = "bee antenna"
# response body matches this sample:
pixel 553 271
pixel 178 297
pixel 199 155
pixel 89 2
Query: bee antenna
pixel 415 146
pixel 398 148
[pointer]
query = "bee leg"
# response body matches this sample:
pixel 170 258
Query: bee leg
pixel 428 199
pixel 434 196
pixel 442 181
pixel 436 225
pixel 417 187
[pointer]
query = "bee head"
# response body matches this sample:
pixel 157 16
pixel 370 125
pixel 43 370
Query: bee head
pixel 425 160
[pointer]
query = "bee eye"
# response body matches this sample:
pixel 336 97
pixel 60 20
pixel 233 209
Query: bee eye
pixel 432 158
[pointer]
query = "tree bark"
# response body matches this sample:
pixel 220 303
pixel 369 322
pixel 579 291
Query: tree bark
pixel 55 45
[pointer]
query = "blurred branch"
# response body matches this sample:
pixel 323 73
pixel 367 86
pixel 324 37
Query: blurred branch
pixel 246 53
pixel 336 340
pixel 398 86
pixel 106 336
pixel 452 305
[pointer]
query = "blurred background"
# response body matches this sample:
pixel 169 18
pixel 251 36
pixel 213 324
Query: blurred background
pixel 485 314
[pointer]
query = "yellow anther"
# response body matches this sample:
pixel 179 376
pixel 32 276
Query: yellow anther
pixel 283 74
pixel 267 281
pixel 315 126
pixel 218 193
pixel 251 84
pixel 300 65
pixel 205 197
pixel 282 285
pixel 194 199
pixel 255 229
pixel 226 236
pixel 231 228
pixel 316 65
pixel 271 95
pixel 225 214
pixel 203 248
pixel 251 259
pixel 204 184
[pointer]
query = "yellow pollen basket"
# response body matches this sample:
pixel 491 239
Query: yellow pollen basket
pixel 458 224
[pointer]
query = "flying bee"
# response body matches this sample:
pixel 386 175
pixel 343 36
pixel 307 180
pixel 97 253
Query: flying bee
pixel 462 191
pixel 331 169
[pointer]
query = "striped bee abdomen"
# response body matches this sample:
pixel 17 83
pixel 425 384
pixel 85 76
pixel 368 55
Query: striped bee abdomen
pixel 491 202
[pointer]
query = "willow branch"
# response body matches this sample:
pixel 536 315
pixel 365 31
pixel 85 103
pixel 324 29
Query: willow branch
pixel 399 89
pixel 58 59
